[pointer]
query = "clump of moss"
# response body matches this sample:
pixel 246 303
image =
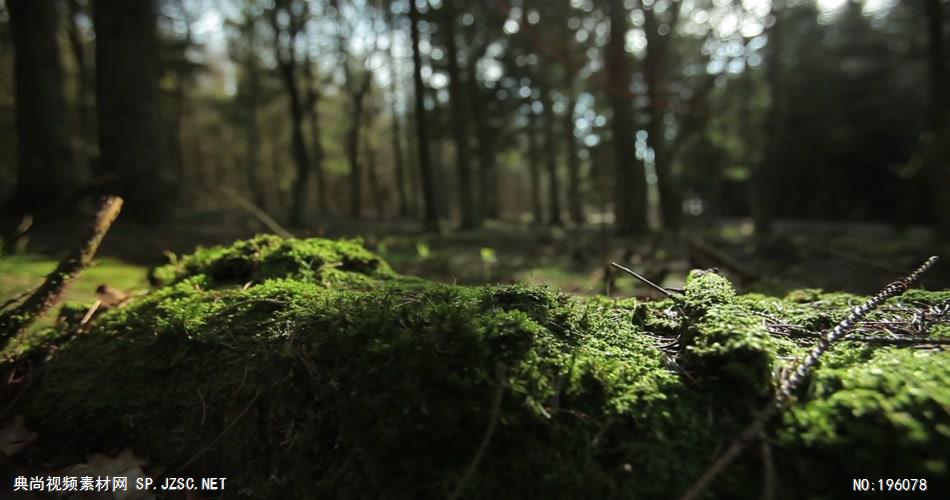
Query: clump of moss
pixel 705 289
pixel 724 343
pixel 884 417
pixel 329 375
pixel 329 262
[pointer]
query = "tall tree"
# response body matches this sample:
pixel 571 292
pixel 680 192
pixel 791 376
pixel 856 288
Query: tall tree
pixel 430 212
pixel 550 159
pixel 938 168
pixel 574 200
pixel 659 29
pixel 763 190
pixel 630 201
pixel 286 32
pixel 396 125
pixel 128 99
pixel 314 95
pixel 44 159
pixel 77 14
pixel 534 167
pixel 244 51
pixel 357 84
pixel 458 117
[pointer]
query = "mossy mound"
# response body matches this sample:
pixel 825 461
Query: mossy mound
pixel 308 369
pixel 265 257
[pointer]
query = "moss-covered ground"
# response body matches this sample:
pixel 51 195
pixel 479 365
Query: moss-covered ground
pixel 310 369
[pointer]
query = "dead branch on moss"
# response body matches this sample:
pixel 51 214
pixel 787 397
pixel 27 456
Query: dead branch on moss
pixel 659 288
pixel 901 325
pixel 16 320
pixel 789 385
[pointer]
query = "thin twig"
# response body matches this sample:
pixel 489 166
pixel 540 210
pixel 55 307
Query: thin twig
pixel 791 383
pixel 51 291
pixel 258 213
pixel 486 438
pixel 659 288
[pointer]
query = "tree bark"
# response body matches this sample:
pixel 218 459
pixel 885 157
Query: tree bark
pixel 430 218
pixel 459 121
pixel 131 142
pixel 630 201
pixel 550 158
pixel 45 168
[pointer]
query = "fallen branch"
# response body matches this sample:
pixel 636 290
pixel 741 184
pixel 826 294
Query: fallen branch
pixel 659 288
pixel 789 385
pixel 258 213
pixel 15 321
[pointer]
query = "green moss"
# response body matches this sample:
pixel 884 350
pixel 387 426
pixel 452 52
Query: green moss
pixel 329 262
pixel 894 404
pixel 322 378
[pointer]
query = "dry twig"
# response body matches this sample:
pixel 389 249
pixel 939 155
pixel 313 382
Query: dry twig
pixel 51 291
pixel 659 288
pixel 790 384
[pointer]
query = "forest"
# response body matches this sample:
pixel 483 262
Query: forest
pixel 475 249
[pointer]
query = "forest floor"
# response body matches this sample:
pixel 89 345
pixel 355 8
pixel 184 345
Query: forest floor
pixel 855 258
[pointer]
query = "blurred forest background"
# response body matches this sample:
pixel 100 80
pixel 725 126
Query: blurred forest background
pixel 789 143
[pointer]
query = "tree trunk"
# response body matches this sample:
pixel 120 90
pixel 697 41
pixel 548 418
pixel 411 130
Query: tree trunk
pixel 398 163
pixel 671 204
pixel 938 166
pixel 534 168
pixel 459 122
pixel 86 139
pixel 430 218
pixel 574 202
pixel 352 154
pixel 630 197
pixel 372 178
pixel 287 68
pixel 550 157
pixel 763 192
pixel 313 113
pixel 131 142
pixel 487 175
pixel 44 157
pixel 299 200
pixel 252 136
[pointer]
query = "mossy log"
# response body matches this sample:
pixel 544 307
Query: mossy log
pixel 309 369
